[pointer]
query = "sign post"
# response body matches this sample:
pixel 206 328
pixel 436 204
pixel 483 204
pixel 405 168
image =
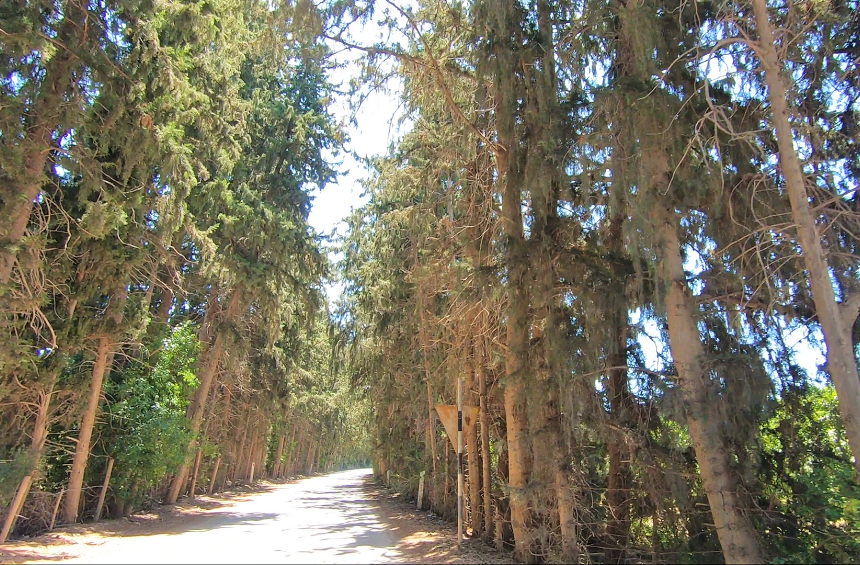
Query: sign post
pixel 452 417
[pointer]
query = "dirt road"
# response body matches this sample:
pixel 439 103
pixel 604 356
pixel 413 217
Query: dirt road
pixel 337 518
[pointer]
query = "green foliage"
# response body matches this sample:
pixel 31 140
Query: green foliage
pixel 14 464
pixel 145 430
pixel 812 497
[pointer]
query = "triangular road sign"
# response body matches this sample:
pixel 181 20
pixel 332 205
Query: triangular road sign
pixel 448 415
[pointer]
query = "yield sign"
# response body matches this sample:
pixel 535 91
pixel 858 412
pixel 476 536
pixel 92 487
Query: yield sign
pixel 448 415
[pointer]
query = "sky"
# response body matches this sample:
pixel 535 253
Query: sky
pixel 371 132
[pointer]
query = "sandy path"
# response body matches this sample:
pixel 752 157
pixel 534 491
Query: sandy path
pixel 337 518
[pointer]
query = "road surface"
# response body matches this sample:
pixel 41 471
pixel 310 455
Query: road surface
pixel 327 519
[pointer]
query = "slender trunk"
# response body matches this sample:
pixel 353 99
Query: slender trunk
pixel 431 434
pixel 239 469
pixel 471 435
pixel 277 467
pixel 253 452
pixel 292 460
pixel 285 467
pixel 165 305
pixel 841 362
pixel 41 121
pixel 214 476
pixel 620 474
pixel 566 518
pixel 40 434
pixel 193 486
pixel 198 403
pixel 486 466
pixel 737 536
pixel 103 492
pixel 56 509
pixel 82 448
pixel 310 458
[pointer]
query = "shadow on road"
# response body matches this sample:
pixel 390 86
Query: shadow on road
pixel 340 518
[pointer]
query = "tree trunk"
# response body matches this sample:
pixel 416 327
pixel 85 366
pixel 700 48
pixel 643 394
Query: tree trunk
pixel 82 448
pixel 431 432
pixel 103 492
pixel 516 357
pixel 239 469
pixel 285 467
pixel 310 459
pixel 471 436
pixel 165 305
pixel 214 476
pixel 737 536
pixel 566 518
pixel 18 211
pixel 40 434
pixel 486 461
pixel 277 467
pixel 194 474
pixel 292 460
pixel 41 121
pixel 841 362
pixel 198 403
pixel 620 475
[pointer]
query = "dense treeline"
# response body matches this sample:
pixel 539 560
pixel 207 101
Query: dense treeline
pixel 161 292
pixel 613 219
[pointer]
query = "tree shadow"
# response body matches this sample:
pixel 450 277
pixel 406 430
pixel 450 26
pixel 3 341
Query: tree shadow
pixel 21 555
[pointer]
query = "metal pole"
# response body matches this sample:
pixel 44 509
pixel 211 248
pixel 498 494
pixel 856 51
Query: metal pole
pixel 459 461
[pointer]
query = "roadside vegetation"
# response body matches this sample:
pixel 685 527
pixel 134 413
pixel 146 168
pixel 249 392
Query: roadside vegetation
pixel 630 228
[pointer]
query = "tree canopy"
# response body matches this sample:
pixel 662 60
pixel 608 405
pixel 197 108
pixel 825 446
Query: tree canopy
pixel 626 227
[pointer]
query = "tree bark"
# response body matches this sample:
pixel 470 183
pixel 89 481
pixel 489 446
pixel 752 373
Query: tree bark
pixel 516 356
pixel 103 492
pixel 737 536
pixel 620 475
pixel 214 476
pixel 471 437
pixel 430 433
pixel 310 458
pixel 277 467
pixel 40 121
pixel 20 209
pixel 193 486
pixel 841 362
pixel 241 458
pixel 566 518
pixel 198 404
pixel 486 461
pixel 101 368
pixel 40 434
pixel 82 448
